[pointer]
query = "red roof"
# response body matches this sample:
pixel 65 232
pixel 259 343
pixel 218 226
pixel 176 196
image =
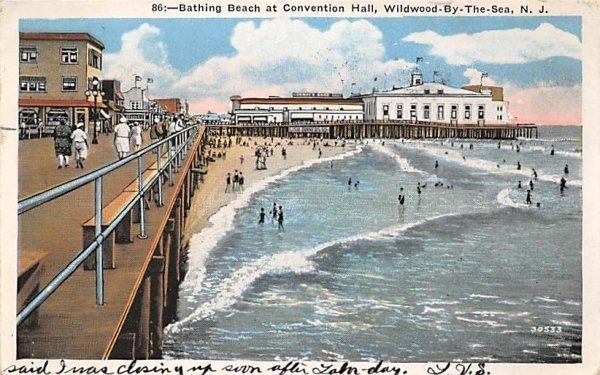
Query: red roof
pixel 299 100
pixel 57 103
pixel 60 36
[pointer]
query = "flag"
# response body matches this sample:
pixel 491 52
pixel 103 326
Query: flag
pixel 484 74
pixel 138 78
pixel 419 59
pixel 150 80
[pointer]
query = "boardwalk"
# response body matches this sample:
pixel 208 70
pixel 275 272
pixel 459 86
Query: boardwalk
pixel 71 325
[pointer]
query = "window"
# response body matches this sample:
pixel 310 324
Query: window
pixel 454 112
pixel 413 111
pixel 28 55
pixel 441 91
pixel 69 84
pixel 68 55
pixel 95 59
pixel 440 112
pixel 426 111
pixel 386 110
pixel 33 84
pixel 481 112
pixel 467 112
pixel 427 91
pixel 399 111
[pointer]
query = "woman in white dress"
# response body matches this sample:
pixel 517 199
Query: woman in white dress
pixel 81 145
pixel 122 134
pixel 136 136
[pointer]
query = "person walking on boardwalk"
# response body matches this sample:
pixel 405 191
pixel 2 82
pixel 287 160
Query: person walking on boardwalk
pixel 156 131
pixel 62 143
pixel 81 145
pixel 136 136
pixel 280 218
pixel 121 139
pixel 261 216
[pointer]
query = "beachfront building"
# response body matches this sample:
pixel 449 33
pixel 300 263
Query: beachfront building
pixel 171 105
pixel 114 100
pixel 299 108
pixel 136 105
pixel 435 102
pixel 55 71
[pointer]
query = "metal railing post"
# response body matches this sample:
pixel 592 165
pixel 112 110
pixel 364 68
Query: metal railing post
pixel 170 162
pixel 99 250
pixel 160 177
pixel 142 234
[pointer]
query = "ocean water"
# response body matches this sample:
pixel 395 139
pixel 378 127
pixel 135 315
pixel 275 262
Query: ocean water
pixel 467 273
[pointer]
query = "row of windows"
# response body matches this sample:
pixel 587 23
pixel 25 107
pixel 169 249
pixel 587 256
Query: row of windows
pixel 38 84
pixel 68 55
pixel 426 112
pixel 257 108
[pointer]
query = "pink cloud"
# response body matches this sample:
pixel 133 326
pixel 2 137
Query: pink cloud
pixel 542 105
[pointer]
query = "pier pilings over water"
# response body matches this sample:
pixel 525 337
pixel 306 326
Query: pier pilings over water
pixel 377 129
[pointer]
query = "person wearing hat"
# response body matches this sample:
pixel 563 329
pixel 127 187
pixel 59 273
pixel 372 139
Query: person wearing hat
pixel 62 143
pixel 122 134
pixel 136 136
pixel 156 131
pixel 80 142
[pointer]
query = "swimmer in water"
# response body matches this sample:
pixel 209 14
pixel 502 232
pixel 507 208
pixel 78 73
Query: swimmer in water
pixel 567 169
pixel 261 216
pixel 519 185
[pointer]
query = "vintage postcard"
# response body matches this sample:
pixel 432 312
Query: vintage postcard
pixel 299 187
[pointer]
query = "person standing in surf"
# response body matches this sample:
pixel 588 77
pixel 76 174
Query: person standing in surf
pixel 261 216
pixel 401 197
pixel 274 212
pixel 280 219
pixel 528 198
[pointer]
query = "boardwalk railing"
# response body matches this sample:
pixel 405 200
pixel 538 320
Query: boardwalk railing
pixel 177 146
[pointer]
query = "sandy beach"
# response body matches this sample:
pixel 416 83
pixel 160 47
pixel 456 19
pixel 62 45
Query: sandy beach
pixel 211 195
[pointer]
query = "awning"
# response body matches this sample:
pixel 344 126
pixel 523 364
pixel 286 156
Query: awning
pixel 104 114
pixel 58 103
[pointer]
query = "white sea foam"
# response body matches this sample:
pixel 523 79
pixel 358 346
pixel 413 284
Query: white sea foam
pixel 491 323
pixel 491 167
pixel 402 162
pixel 483 296
pixel 504 199
pixel 222 222
pixel 288 261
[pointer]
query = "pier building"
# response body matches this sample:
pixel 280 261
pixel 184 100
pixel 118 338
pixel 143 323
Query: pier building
pixel 436 102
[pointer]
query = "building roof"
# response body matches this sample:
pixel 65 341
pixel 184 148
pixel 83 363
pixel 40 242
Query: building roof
pixel 433 88
pixel 61 36
pixel 300 100
pixel 497 92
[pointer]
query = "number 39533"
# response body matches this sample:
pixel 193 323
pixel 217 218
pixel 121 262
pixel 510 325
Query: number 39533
pixel 546 329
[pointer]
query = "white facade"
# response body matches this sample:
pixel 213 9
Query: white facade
pixel 437 103
pixel 136 105
pixel 296 109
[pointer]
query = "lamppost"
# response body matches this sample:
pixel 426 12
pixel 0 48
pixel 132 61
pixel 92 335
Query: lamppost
pixel 95 90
